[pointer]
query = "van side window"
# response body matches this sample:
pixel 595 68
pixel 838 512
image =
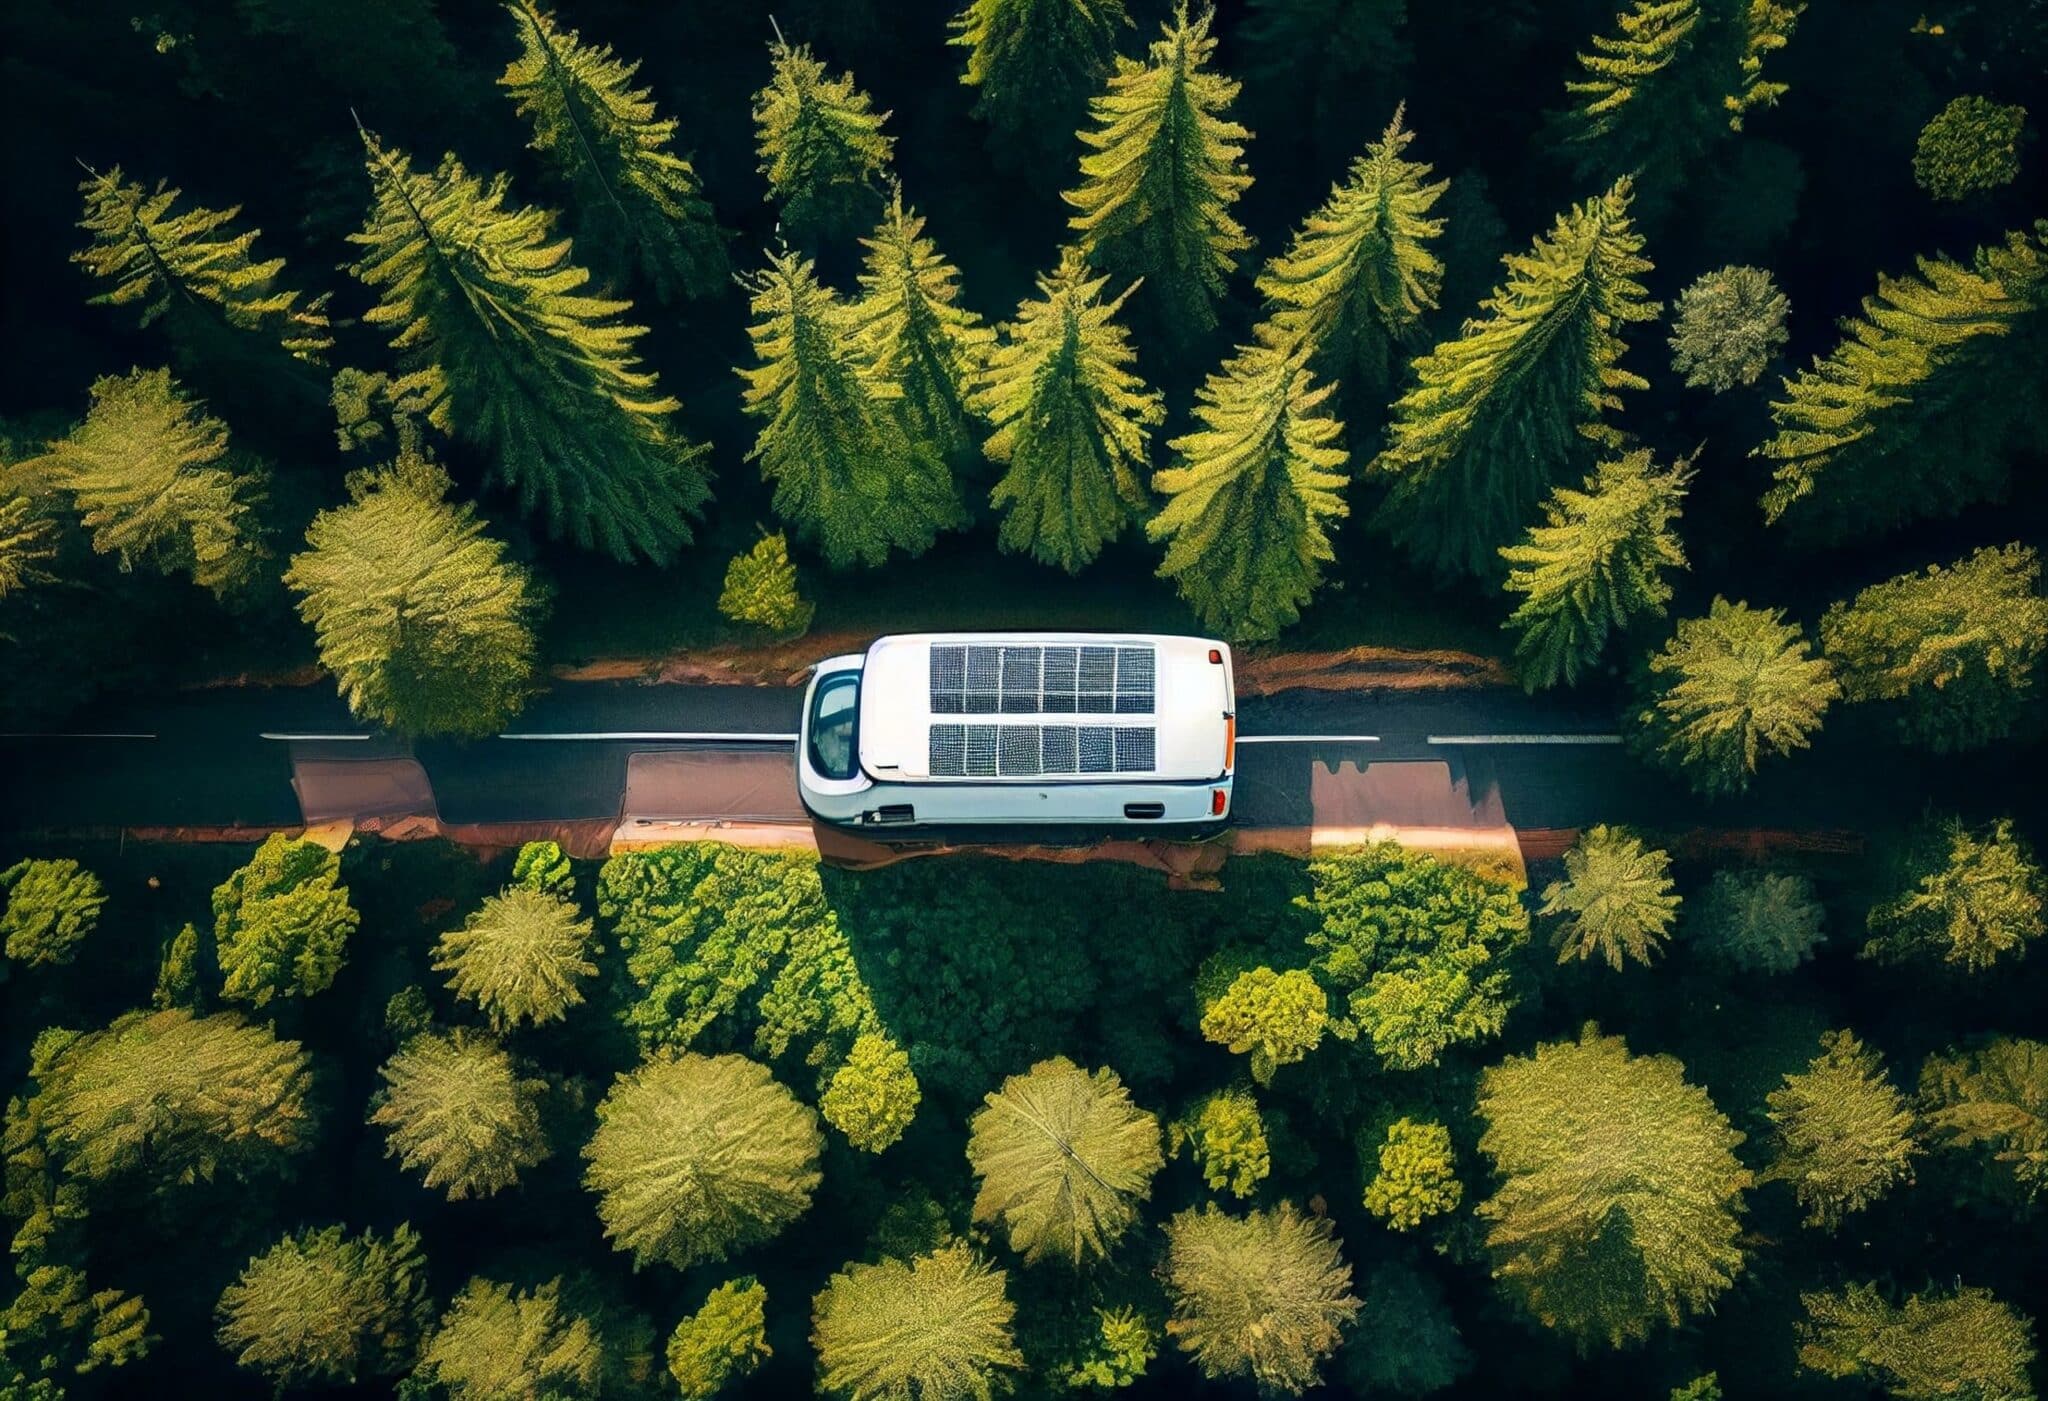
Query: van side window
pixel 834 708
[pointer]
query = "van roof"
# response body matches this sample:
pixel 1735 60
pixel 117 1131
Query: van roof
pixel 1026 707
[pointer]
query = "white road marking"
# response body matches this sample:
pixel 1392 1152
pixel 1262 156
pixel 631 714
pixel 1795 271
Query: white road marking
pixel 1308 739
pixel 75 734
pixel 323 739
pixel 664 735
pixel 1524 739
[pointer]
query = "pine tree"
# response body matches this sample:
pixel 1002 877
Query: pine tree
pixel 1969 898
pixel 1617 899
pixel 322 1307
pixel 496 1343
pixel 1595 566
pixel 1728 328
pixel 936 1328
pixel 458 1114
pixel 820 142
pixel 1755 922
pixel 1264 1295
pixel 639 205
pixel 1065 1159
pixel 156 483
pixel 505 348
pixel 1228 1137
pixel 698 1156
pixel 28 541
pixel 873 1095
pixel 1036 63
pixel 1247 503
pixel 188 264
pixel 1415 1175
pixel 1956 651
pixel 1501 412
pixel 722 1342
pixel 427 627
pixel 52 906
pixel 1995 1098
pixel 281 924
pixel 845 472
pixel 1275 1018
pixel 916 335
pixel 520 957
pixel 1844 1132
pixel 1941 366
pixel 1619 1189
pixel 1727 690
pixel 1162 169
pixel 760 589
pixel 1071 420
pixel 1767 27
pixel 1354 284
pixel 1966 1343
pixel 1970 146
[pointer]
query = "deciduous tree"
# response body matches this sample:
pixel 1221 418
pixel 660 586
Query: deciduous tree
pixel 496 1342
pixel 698 1156
pixel 873 1095
pixel 1727 690
pixel 520 957
pixel 1970 146
pixel 281 924
pixel 1995 1098
pixel 321 1307
pixel 1228 1138
pixel 722 1342
pixel 1249 500
pixel 1036 63
pixel 1957 650
pixel 1064 1159
pixel 1619 1189
pixel 1162 169
pixel 1934 1346
pixel 821 143
pixel 1264 1295
pixel 1755 922
pixel 156 484
pixel 1729 327
pixel 505 346
pixel 846 473
pixel 544 866
pixel 1499 413
pixel 458 1113
pixel 1617 899
pixel 639 205
pixel 427 627
pixel 1594 567
pixel 1415 1175
pixel 1844 1132
pixel 51 907
pixel 1071 420
pixel 1276 1018
pixel 1405 1340
pixel 1969 898
pixel 936 1328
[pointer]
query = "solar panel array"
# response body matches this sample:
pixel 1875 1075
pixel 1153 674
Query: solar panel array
pixel 1031 680
pixel 1029 751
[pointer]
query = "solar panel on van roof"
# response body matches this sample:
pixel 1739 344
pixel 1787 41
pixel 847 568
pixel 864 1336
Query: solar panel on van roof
pixel 1032 680
pixel 1029 751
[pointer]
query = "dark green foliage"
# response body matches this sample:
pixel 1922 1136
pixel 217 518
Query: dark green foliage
pixel 846 472
pixel 52 906
pixel 1755 922
pixel 281 924
pixel 427 627
pixel 1844 1132
pixel 1496 416
pixel 639 204
pixel 1728 328
pixel 504 346
pixel 1969 898
pixel 1035 64
pixel 1727 691
pixel 1970 146
pixel 820 142
pixel 1957 650
pixel 1405 1340
pixel 1419 945
pixel 1162 169
pixel 323 1307
pixel 1962 1343
pixel 1619 1189
pixel 1264 1295
pixel 722 1342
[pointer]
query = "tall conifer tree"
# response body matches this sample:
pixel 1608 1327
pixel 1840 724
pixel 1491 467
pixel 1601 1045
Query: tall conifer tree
pixel 1161 172
pixel 504 347
pixel 1594 566
pixel 1071 420
pixel 846 473
pixel 820 142
pixel 916 334
pixel 1502 411
pixel 638 204
pixel 1359 275
pixel 1036 63
pixel 1249 501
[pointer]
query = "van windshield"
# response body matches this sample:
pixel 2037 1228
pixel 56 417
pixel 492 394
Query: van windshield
pixel 834 708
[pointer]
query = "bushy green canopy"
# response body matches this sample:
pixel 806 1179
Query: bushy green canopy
pixel 321 1307
pixel 1064 1160
pixel 1756 922
pixel 459 1114
pixel 281 924
pixel 873 1095
pixel 1970 146
pixel 1228 1137
pixel 28 541
pixel 1405 1340
pixel 760 589
pixel 1619 1189
pixel 1961 1343
pixel 1276 1018
pixel 1265 1295
pixel 1414 1175
pixel 1844 1132
pixel 51 907
pixel 1993 1098
pixel 495 1343
pixel 1970 898
pixel 698 1156
pixel 936 1328
pixel 1617 899
pixel 521 957
pixel 723 1341
pixel 1728 328
pixel 58 1327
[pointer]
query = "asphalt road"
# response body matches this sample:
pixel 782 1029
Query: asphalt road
pixel 220 758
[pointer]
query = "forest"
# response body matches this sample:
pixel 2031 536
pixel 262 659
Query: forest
pixel 1688 359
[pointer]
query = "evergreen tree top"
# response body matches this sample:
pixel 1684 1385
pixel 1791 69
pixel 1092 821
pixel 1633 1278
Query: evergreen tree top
pixel 910 304
pixel 1652 35
pixel 818 134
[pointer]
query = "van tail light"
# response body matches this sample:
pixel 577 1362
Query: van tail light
pixel 1219 799
pixel 1215 656
pixel 1229 741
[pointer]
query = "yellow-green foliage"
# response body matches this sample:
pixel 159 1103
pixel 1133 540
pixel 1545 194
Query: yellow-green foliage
pixel 495 1343
pixel 760 589
pixel 1417 1175
pixel 1969 146
pixel 321 1307
pixel 1844 1132
pixel 916 334
pixel 281 924
pixel 1124 1344
pixel 873 1095
pixel 521 958
pixel 1617 899
pixel 1962 1343
pixel 1265 1295
pixel 1278 1018
pixel 1971 898
pixel 936 1328
pixel 458 1113
pixel 1994 1098
pixel 820 142
pixel 51 907
pixel 722 1342
pixel 1228 1137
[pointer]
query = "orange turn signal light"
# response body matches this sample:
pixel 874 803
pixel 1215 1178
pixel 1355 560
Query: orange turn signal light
pixel 1229 741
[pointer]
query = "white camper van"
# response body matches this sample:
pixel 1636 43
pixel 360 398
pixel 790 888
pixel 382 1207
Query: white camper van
pixel 956 730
